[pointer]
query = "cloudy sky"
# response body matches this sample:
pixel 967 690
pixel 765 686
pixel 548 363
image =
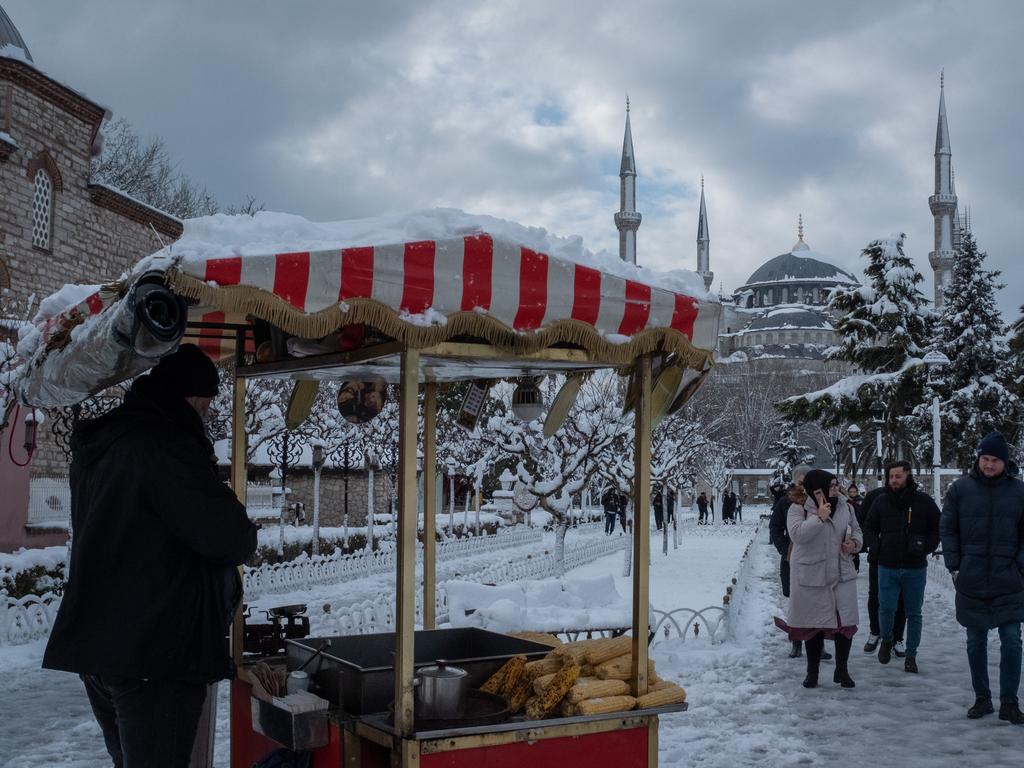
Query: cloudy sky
pixel 339 110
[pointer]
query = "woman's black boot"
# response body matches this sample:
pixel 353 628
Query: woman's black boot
pixel 813 647
pixel 842 673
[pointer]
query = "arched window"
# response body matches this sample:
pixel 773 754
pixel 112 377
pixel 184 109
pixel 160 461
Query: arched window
pixel 42 210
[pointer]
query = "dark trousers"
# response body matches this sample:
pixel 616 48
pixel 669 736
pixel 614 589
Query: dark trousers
pixel 146 724
pixel 784 576
pixel 658 517
pixel 609 523
pixel 702 516
pixel 1009 661
pixel 901 611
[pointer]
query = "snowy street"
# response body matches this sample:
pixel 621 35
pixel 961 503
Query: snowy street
pixel 746 703
pixel 747 706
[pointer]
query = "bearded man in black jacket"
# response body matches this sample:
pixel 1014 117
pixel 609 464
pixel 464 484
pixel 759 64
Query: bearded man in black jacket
pixel 153 579
pixel 902 529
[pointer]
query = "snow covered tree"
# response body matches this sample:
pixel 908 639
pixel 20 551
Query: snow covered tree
pixel 884 329
pixel 975 390
pixel 788 451
pixel 557 468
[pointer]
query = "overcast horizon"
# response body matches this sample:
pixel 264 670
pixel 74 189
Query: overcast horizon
pixel 516 110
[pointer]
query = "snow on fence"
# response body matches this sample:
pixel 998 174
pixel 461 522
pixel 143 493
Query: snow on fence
pixel 299 574
pixel 27 618
pixel 716 622
pixel 378 615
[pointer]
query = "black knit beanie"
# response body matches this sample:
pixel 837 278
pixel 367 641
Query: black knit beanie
pixel 994 444
pixel 187 372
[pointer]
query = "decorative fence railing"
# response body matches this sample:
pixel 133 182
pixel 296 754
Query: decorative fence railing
pixel 28 618
pixel 715 622
pixel 378 615
pixel 330 569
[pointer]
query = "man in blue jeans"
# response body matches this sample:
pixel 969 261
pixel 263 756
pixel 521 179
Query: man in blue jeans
pixel 983 546
pixel 902 529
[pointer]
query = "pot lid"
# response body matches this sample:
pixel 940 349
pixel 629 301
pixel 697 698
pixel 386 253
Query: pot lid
pixel 442 669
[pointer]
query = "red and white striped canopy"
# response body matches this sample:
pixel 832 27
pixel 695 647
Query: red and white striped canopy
pixel 427 282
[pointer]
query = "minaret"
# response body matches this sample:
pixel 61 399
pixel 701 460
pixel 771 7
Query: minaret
pixel 627 220
pixel 943 202
pixel 704 243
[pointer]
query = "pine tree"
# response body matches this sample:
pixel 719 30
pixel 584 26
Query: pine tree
pixel 887 321
pixel 787 452
pixel 975 390
pixel 885 327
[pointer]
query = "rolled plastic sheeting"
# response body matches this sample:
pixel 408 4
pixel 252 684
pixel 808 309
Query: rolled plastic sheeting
pixel 126 339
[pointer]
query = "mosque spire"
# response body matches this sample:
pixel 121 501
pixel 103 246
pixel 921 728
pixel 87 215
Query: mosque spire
pixel 943 202
pixel 800 244
pixel 704 242
pixel 627 220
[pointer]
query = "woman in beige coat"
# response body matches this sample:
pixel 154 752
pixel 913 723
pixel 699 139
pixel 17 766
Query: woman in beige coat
pixel 823 581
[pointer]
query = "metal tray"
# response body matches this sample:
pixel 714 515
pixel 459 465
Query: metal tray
pixel 356 671
pixel 306 730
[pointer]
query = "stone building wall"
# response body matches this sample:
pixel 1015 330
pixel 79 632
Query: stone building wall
pixel 96 234
pixel 332 494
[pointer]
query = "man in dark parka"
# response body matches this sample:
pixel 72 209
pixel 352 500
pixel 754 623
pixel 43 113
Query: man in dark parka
pixel 982 529
pixel 153 579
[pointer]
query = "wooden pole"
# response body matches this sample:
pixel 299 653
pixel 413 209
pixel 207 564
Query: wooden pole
pixel 641 523
pixel 405 582
pixel 429 505
pixel 239 483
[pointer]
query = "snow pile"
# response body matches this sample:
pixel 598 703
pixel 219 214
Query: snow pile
pixel 221 236
pixel 52 559
pixel 545 605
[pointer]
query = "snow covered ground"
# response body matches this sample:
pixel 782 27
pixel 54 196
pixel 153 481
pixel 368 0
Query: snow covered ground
pixel 746 703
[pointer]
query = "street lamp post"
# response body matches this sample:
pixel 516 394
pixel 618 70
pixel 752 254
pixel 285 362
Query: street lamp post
pixel 935 360
pixel 318 465
pixel 878 419
pixel 839 455
pixel 451 465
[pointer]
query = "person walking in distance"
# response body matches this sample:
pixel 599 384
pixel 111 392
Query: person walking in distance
pixel 900 620
pixel 983 547
pixel 702 508
pixel 728 507
pixel 823 582
pixel 853 498
pixel 158 532
pixel 779 537
pixel 902 527
pixel 610 505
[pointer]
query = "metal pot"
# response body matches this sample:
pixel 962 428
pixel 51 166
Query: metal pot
pixel 441 691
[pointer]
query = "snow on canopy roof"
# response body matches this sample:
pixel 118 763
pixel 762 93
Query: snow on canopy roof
pixel 788 267
pixel 421 278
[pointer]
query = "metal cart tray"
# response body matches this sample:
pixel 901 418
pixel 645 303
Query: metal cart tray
pixel 306 730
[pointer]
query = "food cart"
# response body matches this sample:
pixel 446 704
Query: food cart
pixel 467 302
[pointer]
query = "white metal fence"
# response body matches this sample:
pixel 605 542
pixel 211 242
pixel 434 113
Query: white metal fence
pixel 28 618
pixel 334 568
pixel 378 615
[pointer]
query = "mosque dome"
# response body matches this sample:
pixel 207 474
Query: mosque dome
pixel 790 267
pixel 9 36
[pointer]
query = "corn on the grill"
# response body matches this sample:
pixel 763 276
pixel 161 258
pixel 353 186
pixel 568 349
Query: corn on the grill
pixel 518 696
pixel 605 704
pixel 540 683
pixel 566 709
pixel 672 694
pixel 607 648
pixel 496 682
pixel 597 689
pixel 516 667
pixel 553 692
pixel 620 668
pixel 546 666
pixel 572 652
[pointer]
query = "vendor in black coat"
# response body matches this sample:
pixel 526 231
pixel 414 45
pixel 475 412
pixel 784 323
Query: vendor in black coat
pixel 153 579
pixel 983 546
pixel 902 528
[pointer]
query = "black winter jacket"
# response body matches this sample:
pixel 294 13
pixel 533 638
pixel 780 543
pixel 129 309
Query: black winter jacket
pixel 778 533
pixel 153 581
pixel 896 521
pixel 983 540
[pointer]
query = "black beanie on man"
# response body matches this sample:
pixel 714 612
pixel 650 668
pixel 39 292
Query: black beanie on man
pixel 994 444
pixel 187 372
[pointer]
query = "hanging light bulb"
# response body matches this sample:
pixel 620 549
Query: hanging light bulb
pixel 526 401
